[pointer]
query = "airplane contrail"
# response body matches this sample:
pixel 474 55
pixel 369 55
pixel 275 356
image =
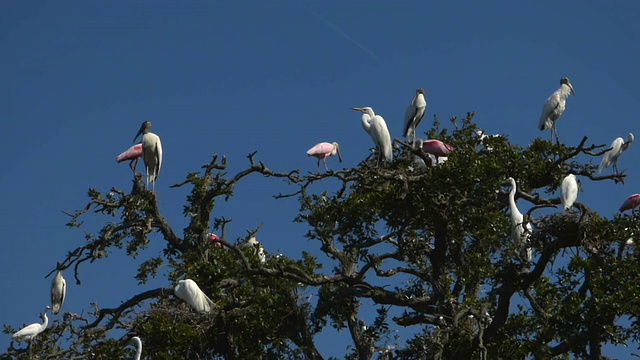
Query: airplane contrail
pixel 331 25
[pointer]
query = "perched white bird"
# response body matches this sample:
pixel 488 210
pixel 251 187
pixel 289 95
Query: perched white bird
pixel 190 292
pixel 29 332
pixel 521 233
pixel 58 291
pixel 259 250
pixel 151 153
pixel 554 107
pixel 482 137
pixel 413 115
pixel 376 127
pixel 569 191
pixel 138 344
pixel 618 146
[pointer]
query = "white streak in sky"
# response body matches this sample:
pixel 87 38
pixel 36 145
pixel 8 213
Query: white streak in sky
pixel 331 25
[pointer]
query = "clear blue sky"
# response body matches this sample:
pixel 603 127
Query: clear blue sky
pixel 229 77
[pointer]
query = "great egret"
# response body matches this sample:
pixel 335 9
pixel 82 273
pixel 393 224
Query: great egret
pixel 190 292
pixel 132 154
pixel 323 150
pixel 569 191
pixel 376 127
pixel 58 291
pixel 413 115
pixel 29 332
pixel 521 233
pixel 630 203
pixel 554 107
pixel 151 153
pixel 618 146
pixel 138 344
pixel 259 250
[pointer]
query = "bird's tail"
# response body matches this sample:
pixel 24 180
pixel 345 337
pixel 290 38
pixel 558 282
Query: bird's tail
pixel 603 164
pixel 545 125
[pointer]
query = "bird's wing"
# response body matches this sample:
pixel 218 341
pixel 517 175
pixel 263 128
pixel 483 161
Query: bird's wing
pixel 409 115
pixel 611 154
pixel 158 157
pixel 548 108
pixel 384 137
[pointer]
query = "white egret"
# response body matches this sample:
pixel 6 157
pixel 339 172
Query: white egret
pixel 482 137
pixel 413 115
pixel 29 332
pixel 58 291
pixel 190 292
pixel 138 344
pixel 618 146
pixel 521 233
pixel 259 250
pixel 554 107
pixel 376 127
pixel 151 153
pixel 569 191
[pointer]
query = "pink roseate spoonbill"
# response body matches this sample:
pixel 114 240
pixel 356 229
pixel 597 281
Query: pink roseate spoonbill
pixel 436 148
pixel 618 146
pixel 213 240
pixel 413 115
pixel 630 203
pixel 58 291
pixel 323 150
pixel 138 344
pixel 151 153
pixel 521 233
pixel 554 107
pixel 190 292
pixel 133 154
pixel 568 191
pixel 376 127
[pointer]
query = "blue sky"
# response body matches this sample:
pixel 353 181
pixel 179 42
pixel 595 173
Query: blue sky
pixel 277 77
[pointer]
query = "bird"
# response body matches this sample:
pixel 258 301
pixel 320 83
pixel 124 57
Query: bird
pixel 29 332
pixel 323 150
pixel 214 241
pixel 58 291
pixel 190 292
pixel 554 107
pixel 630 203
pixel 376 127
pixel 413 114
pixel 569 191
pixel 521 233
pixel 257 247
pixel 151 153
pixel 133 154
pixel 618 146
pixel 482 137
pixel 138 344
pixel 436 148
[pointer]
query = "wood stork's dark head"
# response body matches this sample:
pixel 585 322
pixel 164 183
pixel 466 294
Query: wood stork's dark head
pixel 565 81
pixel 420 91
pixel 145 128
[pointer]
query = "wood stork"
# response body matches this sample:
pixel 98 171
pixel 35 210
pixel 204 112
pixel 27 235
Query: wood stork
pixel 413 115
pixel 132 154
pixel 58 291
pixel 376 127
pixel 151 153
pixel 323 150
pixel 521 233
pixel 630 203
pixel 138 344
pixel 190 292
pixel 569 191
pixel 29 332
pixel 554 107
pixel 259 250
pixel 618 146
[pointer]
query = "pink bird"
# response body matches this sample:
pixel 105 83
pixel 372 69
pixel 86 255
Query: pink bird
pixel 324 150
pixel 213 240
pixel 631 203
pixel 436 148
pixel 133 153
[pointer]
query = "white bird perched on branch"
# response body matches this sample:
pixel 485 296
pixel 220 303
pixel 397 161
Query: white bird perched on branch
pixel 554 107
pixel 413 115
pixel 58 291
pixel 151 153
pixel 138 344
pixel 376 127
pixel 618 146
pixel 569 191
pixel 259 250
pixel 190 292
pixel 521 233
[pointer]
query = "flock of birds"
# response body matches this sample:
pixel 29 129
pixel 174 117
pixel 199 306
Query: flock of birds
pixel 150 150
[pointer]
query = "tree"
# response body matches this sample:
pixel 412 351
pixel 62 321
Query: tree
pixel 441 235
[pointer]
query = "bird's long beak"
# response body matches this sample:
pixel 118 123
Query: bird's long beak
pixel 572 91
pixel 139 133
pixel 357 109
pixel 339 155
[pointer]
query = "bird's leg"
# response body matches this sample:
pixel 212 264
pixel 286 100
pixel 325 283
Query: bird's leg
pixel 615 168
pixel 325 165
pixel 318 166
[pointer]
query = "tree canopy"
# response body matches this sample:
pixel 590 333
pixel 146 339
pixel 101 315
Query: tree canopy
pixel 427 248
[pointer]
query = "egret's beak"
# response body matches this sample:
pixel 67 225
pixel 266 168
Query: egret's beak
pixel 357 109
pixel 572 91
pixel 339 155
pixel 139 132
